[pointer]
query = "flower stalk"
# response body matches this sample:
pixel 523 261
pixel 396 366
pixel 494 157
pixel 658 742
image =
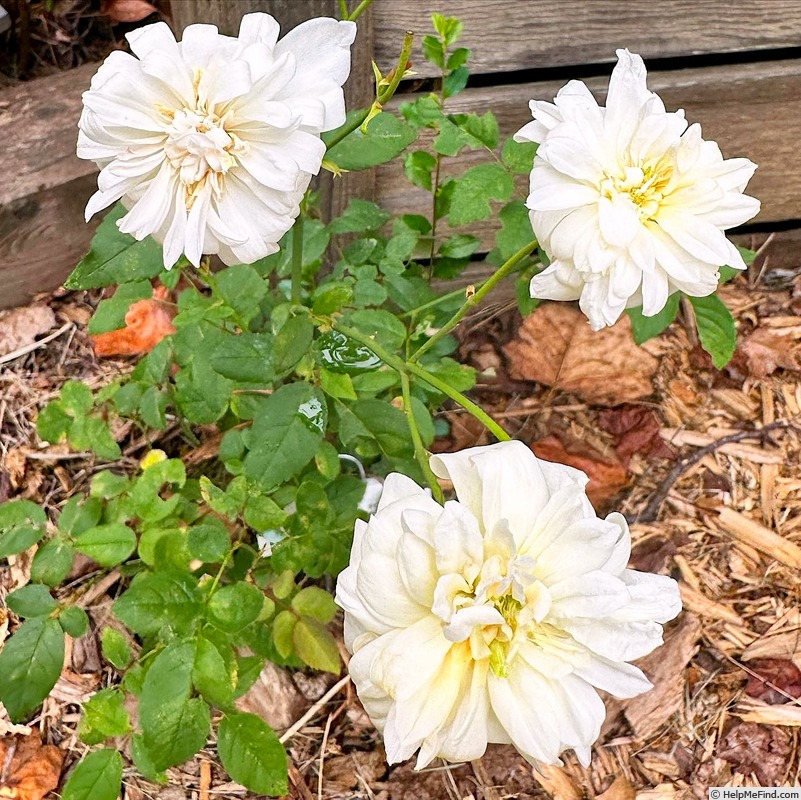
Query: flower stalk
pixel 474 299
pixel 410 367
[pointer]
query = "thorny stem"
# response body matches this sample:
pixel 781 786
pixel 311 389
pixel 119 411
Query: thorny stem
pixel 382 97
pixel 419 450
pixel 401 366
pixel 474 299
pixel 297 260
pixel 359 10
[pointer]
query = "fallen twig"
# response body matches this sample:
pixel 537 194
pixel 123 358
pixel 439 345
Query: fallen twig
pixel 651 510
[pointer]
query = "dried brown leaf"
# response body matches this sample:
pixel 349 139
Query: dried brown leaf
pixel 766 351
pixel 274 697
pixel 607 477
pixel 636 429
pixel 555 346
pixel 146 324
pixel 33 768
pixel 128 10
pixel 781 673
pixel 557 782
pixel 752 748
pixel 664 667
pixel 20 327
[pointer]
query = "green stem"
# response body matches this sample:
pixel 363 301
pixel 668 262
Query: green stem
pixel 382 97
pixel 343 9
pixel 474 299
pixel 419 450
pixel 359 10
pixel 401 366
pixel 297 260
pixel 433 303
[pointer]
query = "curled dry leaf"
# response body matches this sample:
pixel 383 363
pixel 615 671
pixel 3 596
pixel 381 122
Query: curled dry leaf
pixel 32 770
pixel 607 476
pixel 636 430
pixel 128 10
pixel 555 346
pixel 146 324
pixel 763 751
pixel 780 673
pixel 767 350
pixel 20 327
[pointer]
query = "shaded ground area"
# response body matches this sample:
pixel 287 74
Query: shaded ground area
pixel 704 463
pixel 51 35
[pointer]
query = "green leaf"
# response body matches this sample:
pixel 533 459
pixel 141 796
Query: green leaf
pixel 209 541
pixel 291 343
pixel 455 82
pixel 285 438
pixel 515 232
pixel 360 216
pixel 331 297
pixel 109 545
pixel 263 513
pixel 462 245
pixel 282 628
pixel 387 136
pixel 377 420
pixel 434 51
pixel 483 128
pixel 33 600
pixel 518 156
pixel 418 167
pixel 110 314
pixel 30 663
pixel 457 58
pixel 106 485
pixel 98 776
pixel 174 727
pixel 158 599
pixel 449 28
pixel 241 288
pixel 248 669
pixel 234 607
pixel 79 514
pixel 115 648
pixel 451 139
pixel 211 676
pixel 202 393
pixel 252 755
pixel 116 257
pixel 470 201
pixel 337 384
pixel 52 562
pixel 245 357
pixel 315 602
pixel 21 526
pixel 381 325
pixel 644 328
pixel 315 645
pixel 716 328
pixel 104 715
pixel 74 621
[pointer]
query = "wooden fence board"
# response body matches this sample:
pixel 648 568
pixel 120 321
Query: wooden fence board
pixel 750 111
pixel 507 36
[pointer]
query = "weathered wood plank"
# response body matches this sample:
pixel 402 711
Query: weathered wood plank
pixel 749 110
pixel 45 186
pixel 507 36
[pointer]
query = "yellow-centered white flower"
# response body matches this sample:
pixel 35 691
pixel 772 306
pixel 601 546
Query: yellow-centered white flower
pixel 629 203
pixel 496 617
pixel 211 142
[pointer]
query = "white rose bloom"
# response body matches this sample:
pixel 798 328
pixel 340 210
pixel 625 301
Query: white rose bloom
pixel 628 202
pixel 495 618
pixel 211 142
